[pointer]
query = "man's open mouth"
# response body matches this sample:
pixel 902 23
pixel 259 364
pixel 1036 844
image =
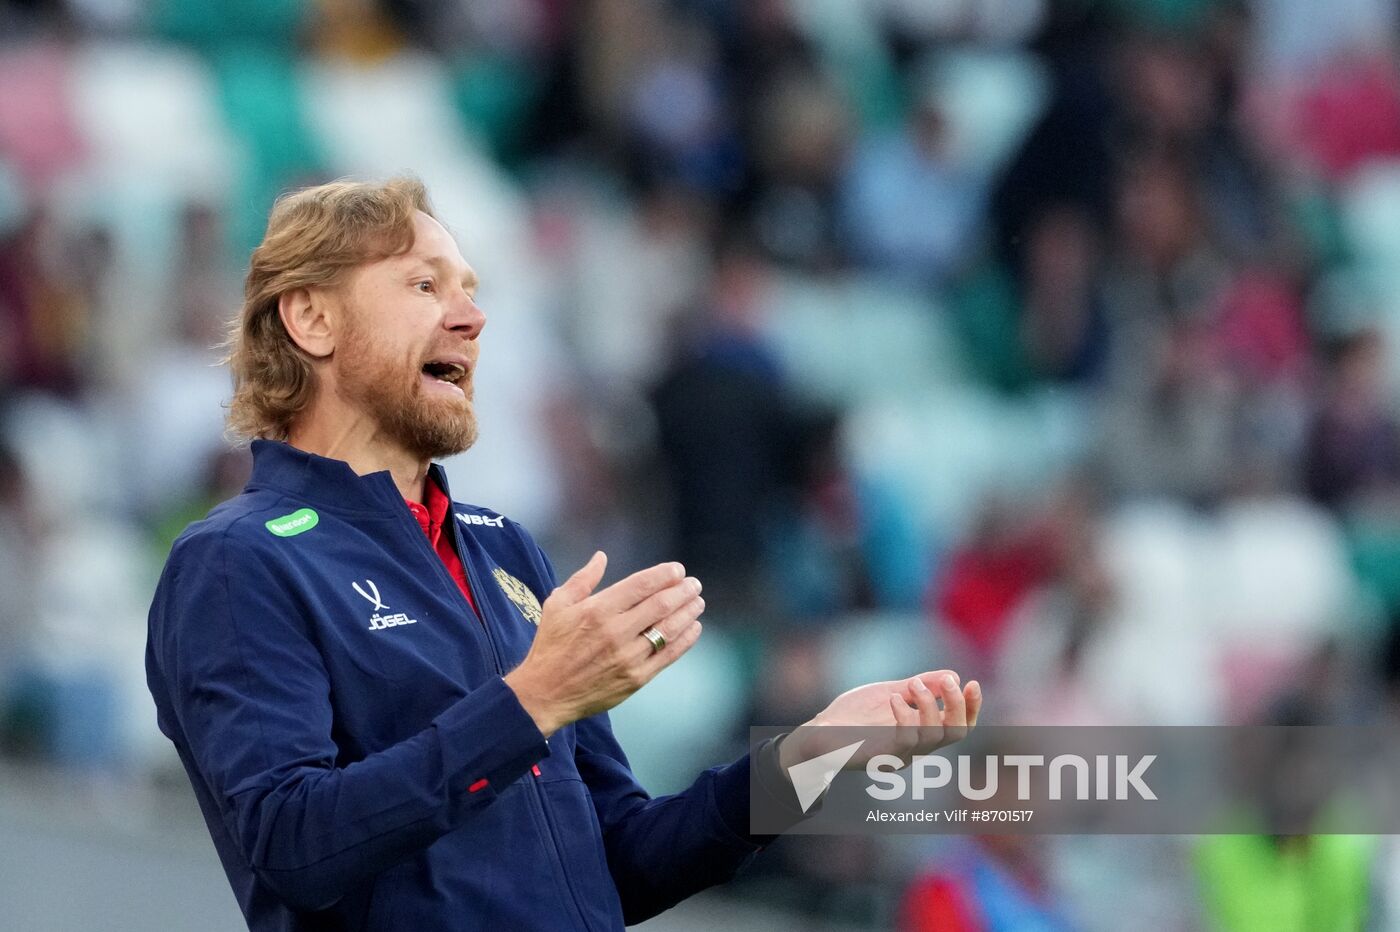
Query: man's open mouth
pixel 450 372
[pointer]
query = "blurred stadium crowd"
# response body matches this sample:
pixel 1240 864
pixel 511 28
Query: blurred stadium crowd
pixel 1051 340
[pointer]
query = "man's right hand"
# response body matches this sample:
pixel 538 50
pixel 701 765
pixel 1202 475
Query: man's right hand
pixel 589 653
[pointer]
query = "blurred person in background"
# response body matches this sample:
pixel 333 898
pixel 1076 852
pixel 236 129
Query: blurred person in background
pixel 801 140
pixel 1292 882
pixel 725 426
pixel 908 207
pixel 1168 400
pixel 1054 630
pixel 179 387
pixel 43 311
pixel 1353 446
pixel 986 883
pixel 21 718
pixel 986 578
pixel 397 772
pixel 842 543
pixel 1064 325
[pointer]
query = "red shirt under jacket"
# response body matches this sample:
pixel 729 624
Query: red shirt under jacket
pixel 431 516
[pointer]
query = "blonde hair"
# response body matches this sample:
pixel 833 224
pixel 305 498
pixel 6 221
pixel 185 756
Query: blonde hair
pixel 314 236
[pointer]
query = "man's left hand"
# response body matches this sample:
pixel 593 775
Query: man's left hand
pixel 908 710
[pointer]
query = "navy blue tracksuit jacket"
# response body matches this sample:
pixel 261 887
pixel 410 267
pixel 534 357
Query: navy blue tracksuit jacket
pixel 359 760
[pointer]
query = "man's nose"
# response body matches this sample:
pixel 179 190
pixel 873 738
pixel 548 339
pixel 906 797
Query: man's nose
pixel 465 316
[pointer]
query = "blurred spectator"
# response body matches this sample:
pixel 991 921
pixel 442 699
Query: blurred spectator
pixel 800 150
pixel 1266 348
pixel 1173 435
pixel 1307 883
pixel 1352 114
pixel 179 390
pixel 682 129
pixel 1064 322
pixel 986 578
pixel 724 436
pixel 1169 405
pixel 19 526
pixel 909 208
pixel 1068 156
pixel 988 883
pixel 1353 447
pixel 1182 93
pixel 844 543
pixel 1051 633
pixel 74 693
pixel 1291 882
pixel 1014 562
pixel 43 314
pixel 622 324
pixel 604 482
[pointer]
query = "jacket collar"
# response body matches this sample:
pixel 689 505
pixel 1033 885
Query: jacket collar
pixel 328 482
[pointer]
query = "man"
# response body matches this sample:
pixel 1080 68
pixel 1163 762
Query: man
pixel 392 714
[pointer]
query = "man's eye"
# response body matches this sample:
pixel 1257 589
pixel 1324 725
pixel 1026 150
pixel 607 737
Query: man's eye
pixel 424 286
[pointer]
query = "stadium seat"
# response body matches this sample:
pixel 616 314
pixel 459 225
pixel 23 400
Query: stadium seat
pixel 130 99
pixel 1374 546
pixel 216 24
pixel 992 98
pixel 261 98
pixel 1371 214
pixel 1155 661
pixel 38 137
pixel 860 340
pixel 947 448
pixel 1277 571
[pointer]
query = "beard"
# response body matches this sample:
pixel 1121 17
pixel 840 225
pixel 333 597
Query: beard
pixel 391 392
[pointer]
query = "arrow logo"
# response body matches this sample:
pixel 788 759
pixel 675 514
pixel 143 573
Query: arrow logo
pixel 811 778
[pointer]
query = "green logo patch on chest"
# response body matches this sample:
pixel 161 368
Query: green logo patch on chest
pixel 298 522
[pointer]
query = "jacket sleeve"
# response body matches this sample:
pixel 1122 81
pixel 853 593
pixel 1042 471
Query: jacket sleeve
pixel 662 850
pixel 246 685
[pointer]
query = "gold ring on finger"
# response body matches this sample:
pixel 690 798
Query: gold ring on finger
pixel 657 639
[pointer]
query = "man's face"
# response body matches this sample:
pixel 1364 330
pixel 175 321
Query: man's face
pixel 408 351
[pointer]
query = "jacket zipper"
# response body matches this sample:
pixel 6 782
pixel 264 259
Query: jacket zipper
pixel 445 576
pixel 538 793
pixel 559 851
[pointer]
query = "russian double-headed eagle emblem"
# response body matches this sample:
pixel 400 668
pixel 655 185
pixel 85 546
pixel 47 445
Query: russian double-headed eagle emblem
pixel 520 594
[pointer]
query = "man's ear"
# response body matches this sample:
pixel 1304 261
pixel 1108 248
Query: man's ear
pixel 308 321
